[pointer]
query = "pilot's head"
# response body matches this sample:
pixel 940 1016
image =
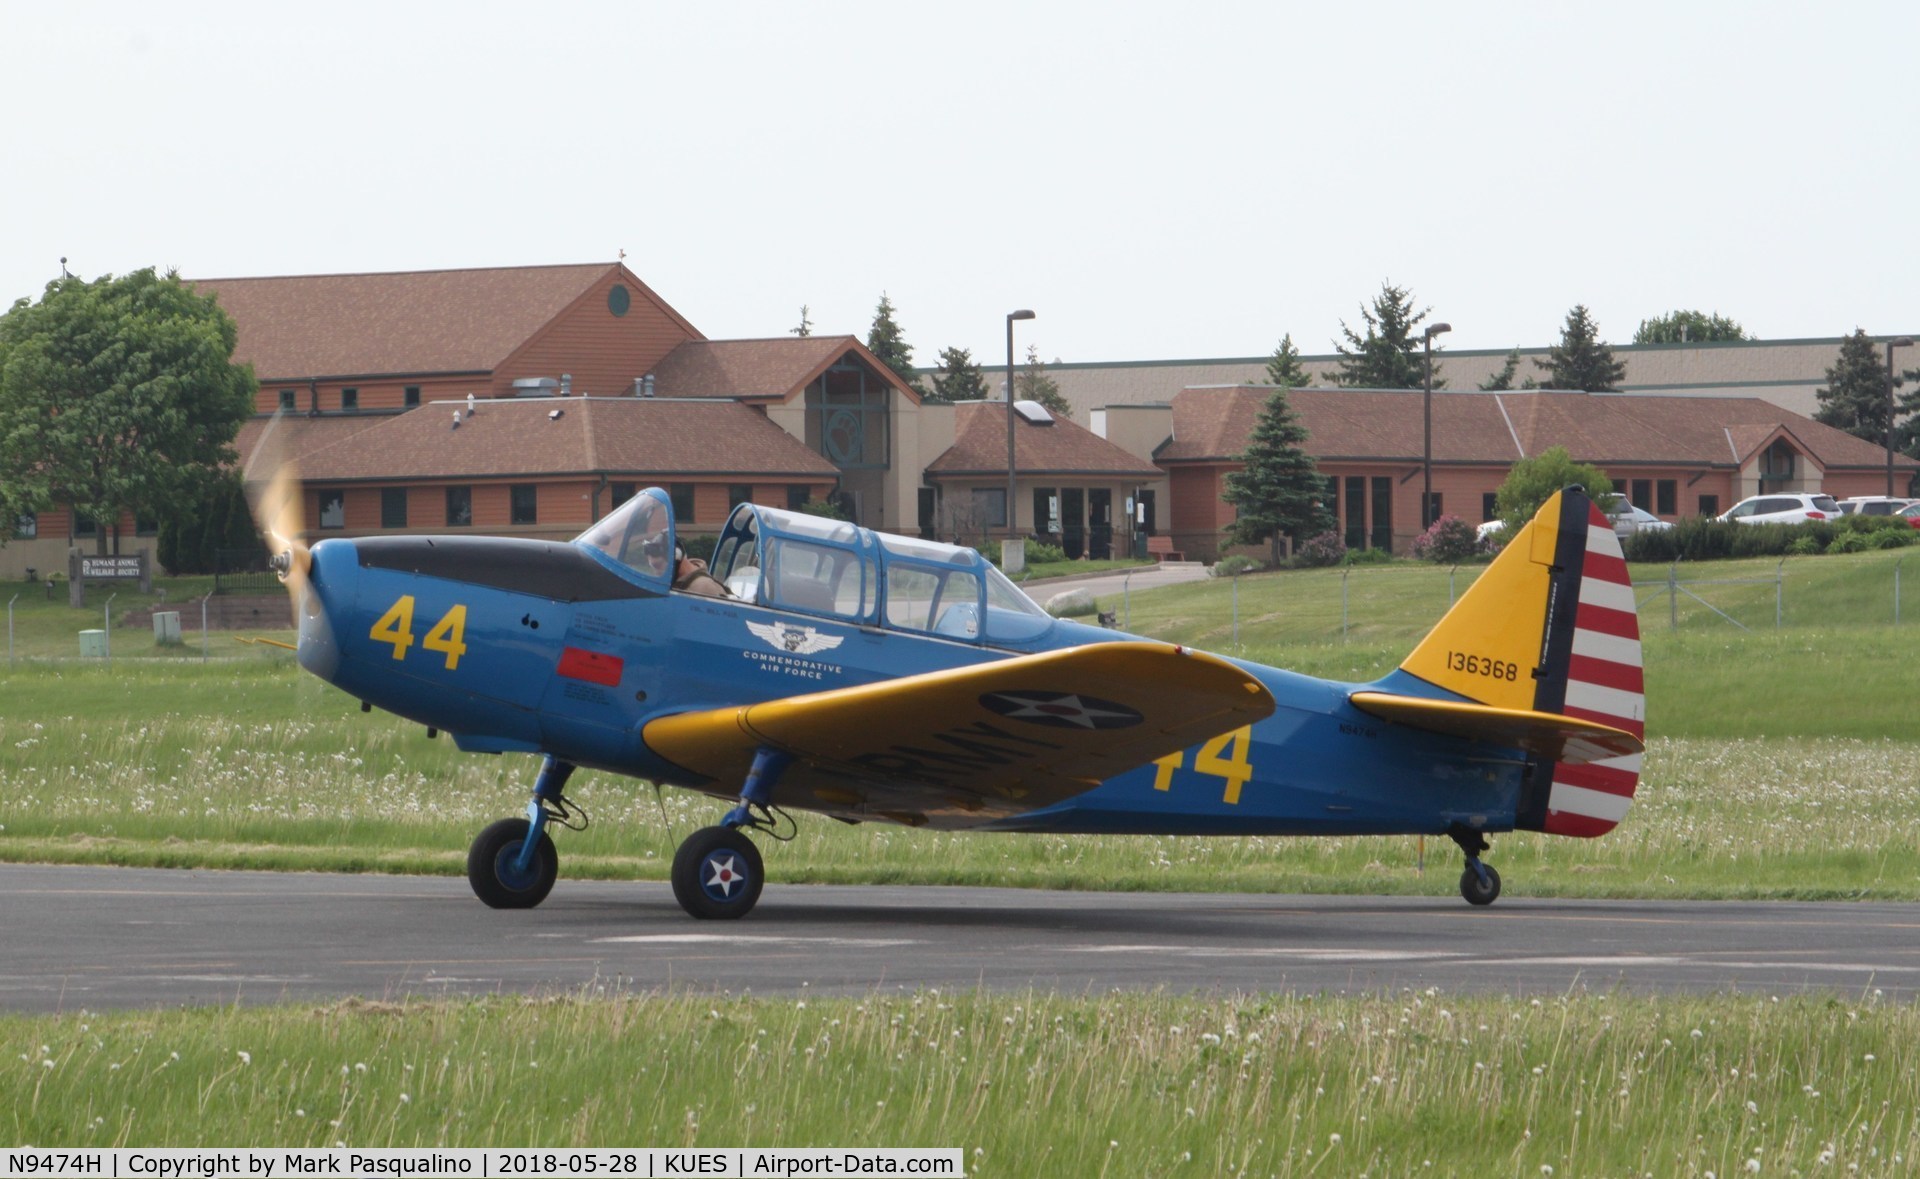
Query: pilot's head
pixel 656 551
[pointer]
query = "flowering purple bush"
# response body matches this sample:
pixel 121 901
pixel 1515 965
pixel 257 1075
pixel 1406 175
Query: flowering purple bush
pixel 1450 541
pixel 1324 549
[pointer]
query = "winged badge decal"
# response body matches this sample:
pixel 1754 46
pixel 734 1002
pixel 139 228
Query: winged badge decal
pixel 795 640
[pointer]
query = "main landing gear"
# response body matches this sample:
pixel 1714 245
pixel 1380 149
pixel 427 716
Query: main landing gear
pixel 513 864
pixel 1479 883
pixel 717 873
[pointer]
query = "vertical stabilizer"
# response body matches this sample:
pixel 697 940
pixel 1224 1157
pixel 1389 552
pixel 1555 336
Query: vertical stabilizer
pixel 1551 627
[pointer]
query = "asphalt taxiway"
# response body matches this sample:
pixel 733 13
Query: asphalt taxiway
pixel 75 938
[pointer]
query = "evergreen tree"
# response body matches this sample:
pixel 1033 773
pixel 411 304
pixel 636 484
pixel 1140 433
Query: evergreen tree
pixel 886 341
pixel 959 378
pixel 1278 492
pixel 1284 368
pixel 804 328
pixel 1906 435
pixel 1688 327
pixel 1392 354
pixel 1855 399
pixel 1581 360
pixel 1502 381
pixel 1031 383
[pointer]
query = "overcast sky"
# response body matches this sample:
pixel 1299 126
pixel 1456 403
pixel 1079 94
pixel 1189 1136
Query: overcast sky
pixel 1155 181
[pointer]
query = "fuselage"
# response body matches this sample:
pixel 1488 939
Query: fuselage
pixel 512 668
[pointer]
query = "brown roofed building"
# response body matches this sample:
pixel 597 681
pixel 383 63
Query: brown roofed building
pixel 1672 456
pixel 1073 487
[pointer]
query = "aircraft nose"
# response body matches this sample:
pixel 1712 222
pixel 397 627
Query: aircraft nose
pixel 326 594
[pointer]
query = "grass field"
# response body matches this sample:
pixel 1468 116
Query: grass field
pixel 1034 1084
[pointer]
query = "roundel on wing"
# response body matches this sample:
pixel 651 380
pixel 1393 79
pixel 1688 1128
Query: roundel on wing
pixel 1061 710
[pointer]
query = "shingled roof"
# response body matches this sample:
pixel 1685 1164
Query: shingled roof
pixel 1063 448
pixel 1214 424
pixel 776 368
pixel 624 435
pixel 439 321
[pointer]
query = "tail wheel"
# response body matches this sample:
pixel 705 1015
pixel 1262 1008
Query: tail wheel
pixel 494 871
pixel 717 874
pixel 1480 884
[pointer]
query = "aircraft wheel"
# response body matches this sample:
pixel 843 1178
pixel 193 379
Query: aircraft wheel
pixel 1476 890
pixel 717 874
pixel 492 867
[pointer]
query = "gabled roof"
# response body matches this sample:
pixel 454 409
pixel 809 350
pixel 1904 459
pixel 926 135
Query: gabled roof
pixel 614 436
pixel 1214 424
pixel 427 321
pixel 297 436
pixel 1063 448
pixel 779 368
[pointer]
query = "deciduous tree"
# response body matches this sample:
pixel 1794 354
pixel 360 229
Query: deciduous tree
pixel 1688 327
pixel 1279 492
pixel 1532 481
pixel 117 396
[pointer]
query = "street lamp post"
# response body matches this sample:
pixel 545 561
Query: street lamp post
pixel 1426 455
pixel 1902 342
pixel 1011 316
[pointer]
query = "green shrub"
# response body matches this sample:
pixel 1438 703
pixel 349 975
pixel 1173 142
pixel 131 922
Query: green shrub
pixel 1322 550
pixel 1234 566
pixel 1449 541
pixel 1890 538
pixel 1849 541
pixel 1805 546
pixel 1369 556
pixel 1039 552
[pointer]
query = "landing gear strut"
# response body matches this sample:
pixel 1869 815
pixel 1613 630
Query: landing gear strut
pixel 717 873
pixel 513 863
pixel 1479 883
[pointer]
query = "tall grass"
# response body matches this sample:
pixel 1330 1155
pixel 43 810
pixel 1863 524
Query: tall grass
pixel 1406 1084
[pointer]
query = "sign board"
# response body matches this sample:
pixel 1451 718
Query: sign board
pixel 112 568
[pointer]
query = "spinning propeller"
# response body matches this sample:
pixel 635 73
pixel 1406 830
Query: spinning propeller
pixel 277 512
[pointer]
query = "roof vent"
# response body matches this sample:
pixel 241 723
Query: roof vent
pixel 1035 413
pixel 646 385
pixel 535 387
pixel 566 384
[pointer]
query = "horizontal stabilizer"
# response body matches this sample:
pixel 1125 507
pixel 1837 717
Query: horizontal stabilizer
pixel 1549 736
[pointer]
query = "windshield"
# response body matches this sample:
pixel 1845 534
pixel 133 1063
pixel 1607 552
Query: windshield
pixel 638 534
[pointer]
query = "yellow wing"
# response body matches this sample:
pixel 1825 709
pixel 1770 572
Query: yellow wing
pixel 957 748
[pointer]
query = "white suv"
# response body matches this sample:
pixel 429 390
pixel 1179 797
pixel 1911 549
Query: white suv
pixel 1873 505
pixel 1783 508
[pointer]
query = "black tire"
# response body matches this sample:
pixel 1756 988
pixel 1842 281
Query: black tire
pixel 490 867
pixel 1476 891
pixel 717 874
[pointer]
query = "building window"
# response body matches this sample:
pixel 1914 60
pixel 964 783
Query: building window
pixel 1709 505
pixel 393 507
pixel 1380 536
pixel 682 496
pixel 1489 505
pixel 350 401
pixel 1046 511
pixel 145 525
pixel 990 507
pixel 1435 506
pixel 333 508
pixel 1666 497
pixel 459 507
pixel 287 398
pixel 84 525
pixel 410 396
pixel 622 492
pixel 1642 496
pixel 737 494
pixel 526 503
pixel 26 526
pixel 798 495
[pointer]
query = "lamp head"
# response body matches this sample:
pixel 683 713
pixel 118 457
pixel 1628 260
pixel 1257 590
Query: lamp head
pixel 1438 329
pixel 1021 314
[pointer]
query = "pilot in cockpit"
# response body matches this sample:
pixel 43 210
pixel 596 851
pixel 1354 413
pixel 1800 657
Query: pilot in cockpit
pixel 690 575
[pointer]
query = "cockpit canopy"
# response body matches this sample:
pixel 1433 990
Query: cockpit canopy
pixel 833 569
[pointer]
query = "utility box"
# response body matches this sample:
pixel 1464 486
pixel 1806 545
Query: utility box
pixel 166 628
pixel 93 644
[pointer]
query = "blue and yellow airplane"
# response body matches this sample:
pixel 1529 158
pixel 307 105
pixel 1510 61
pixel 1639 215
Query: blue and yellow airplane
pixel 879 678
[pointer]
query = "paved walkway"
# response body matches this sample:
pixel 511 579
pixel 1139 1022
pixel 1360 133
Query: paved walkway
pixel 1102 585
